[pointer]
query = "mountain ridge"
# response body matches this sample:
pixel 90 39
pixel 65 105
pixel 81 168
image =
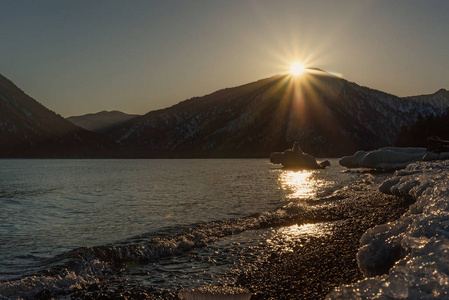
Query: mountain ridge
pixel 233 126
pixel 329 117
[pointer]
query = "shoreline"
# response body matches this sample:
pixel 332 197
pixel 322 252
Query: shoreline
pixel 314 269
pixel 316 265
pixel 311 268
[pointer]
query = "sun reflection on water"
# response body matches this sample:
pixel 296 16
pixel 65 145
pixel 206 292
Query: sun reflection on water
pixel 286 239
pixel 301 184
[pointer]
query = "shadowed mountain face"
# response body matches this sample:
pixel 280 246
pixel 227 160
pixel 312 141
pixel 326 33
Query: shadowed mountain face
pixel 102 121
pixel 28 129
pixel 327 115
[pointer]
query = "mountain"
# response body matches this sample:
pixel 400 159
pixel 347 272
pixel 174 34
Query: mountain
pixel 416 134
pixel 327 115
pixel 102 121
pixel 28 129
pixel 438 99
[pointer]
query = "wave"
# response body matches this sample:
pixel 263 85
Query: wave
pixel 85 266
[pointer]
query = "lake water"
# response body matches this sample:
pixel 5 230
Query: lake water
pixel 66 224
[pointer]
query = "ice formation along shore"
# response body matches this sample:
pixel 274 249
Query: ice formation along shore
pixel 390 158
pixel 416 246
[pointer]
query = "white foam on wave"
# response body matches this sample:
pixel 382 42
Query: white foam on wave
pixel 416 246
pixel 94 263
pixel 28 287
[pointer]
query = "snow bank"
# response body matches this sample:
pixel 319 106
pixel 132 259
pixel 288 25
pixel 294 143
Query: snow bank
pixel 389 158
pixel 412 253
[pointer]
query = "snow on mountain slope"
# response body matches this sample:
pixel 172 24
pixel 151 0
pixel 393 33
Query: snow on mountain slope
pixel 438 100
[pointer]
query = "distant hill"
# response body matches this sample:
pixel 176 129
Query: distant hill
pixel 28 129
pixel 327 115
pixel 102 121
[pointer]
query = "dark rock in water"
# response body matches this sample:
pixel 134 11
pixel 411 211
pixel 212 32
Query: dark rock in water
pixel 296 158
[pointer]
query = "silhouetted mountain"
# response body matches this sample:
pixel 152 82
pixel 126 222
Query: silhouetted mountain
pixel 327 115
pixel 28 129
pixel 102 121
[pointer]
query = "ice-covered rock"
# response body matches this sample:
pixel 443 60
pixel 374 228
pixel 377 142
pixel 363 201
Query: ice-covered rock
pixel 390 158
pixel 412 252
pixel 384 158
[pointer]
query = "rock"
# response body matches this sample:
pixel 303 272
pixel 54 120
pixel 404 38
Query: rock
pixel 296 158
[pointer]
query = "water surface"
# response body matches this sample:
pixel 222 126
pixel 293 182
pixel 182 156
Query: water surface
pixel 179 220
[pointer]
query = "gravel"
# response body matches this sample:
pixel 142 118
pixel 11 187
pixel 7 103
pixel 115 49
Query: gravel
pixel 314 268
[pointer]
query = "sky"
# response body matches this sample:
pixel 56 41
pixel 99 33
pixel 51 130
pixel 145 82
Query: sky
pixel 84 56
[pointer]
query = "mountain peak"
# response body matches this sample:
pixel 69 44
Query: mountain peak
pixel 442 92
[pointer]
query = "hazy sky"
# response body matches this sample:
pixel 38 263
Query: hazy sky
pixel 82 56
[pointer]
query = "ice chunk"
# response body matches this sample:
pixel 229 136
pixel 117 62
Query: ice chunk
pixel 413 251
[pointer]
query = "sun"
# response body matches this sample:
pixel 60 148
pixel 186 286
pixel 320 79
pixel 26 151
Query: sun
pixel 297 68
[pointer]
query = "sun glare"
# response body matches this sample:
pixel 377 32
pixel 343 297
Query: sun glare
pixel 297 68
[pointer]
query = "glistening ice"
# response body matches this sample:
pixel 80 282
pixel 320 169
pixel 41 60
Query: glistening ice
pixel 412 252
